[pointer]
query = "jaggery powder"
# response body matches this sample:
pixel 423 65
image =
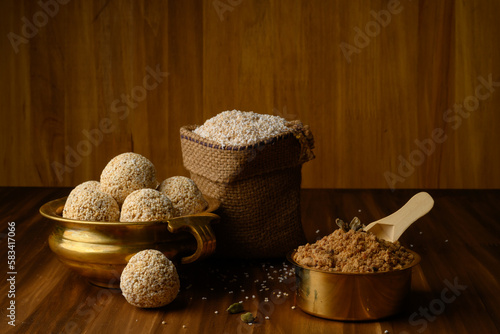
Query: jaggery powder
pixel 353 251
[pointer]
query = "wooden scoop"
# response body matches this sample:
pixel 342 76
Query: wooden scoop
pixel 391 227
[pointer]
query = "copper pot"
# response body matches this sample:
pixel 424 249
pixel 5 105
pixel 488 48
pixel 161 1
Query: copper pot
pixel 99 251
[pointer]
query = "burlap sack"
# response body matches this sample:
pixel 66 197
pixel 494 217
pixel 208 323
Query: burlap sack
pixel 258 186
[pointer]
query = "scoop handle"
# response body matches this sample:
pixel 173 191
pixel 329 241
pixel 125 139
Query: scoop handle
pixel 399 221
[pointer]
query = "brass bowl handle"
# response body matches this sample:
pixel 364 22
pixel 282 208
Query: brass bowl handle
pixel 199 227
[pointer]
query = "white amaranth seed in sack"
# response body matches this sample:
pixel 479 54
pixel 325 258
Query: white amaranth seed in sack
pixel 242 128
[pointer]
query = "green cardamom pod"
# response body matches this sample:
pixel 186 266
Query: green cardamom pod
pixel 235 308
pixel 247 317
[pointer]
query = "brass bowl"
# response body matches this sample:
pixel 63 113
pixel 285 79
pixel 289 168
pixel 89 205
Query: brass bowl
pixel 352 296
pixel 99 251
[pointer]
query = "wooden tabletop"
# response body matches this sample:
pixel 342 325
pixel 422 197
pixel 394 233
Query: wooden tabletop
pixel 455 289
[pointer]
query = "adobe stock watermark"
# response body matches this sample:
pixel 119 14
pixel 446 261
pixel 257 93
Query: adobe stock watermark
pixel 285 114
pixel 88 309
pixel 267 307
pixel 437 306
pixel 372 29
pixel 122 106
pixel 453 116
pixel 222 6
pixel 30 28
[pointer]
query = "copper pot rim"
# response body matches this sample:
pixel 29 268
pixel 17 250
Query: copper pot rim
pixel 416 260
pixel 52 210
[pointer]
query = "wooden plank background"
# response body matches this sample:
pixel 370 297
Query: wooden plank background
pixel 73 90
